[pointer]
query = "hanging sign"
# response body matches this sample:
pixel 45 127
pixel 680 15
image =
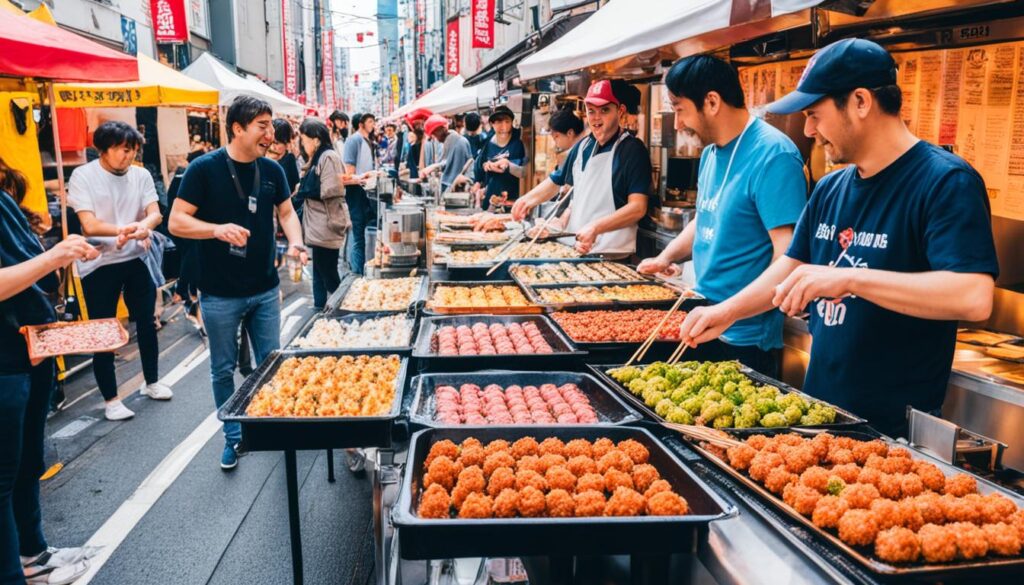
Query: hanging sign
pixel 169 22
pixel 483 24
pixel 451 51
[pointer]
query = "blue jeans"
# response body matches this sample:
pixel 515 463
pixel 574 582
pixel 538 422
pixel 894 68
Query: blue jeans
pixel 222 316
pixel 24 400
pixel 363 211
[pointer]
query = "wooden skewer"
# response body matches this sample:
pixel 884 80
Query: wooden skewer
pixel 712 436
pixel 540 230
pixel 642 350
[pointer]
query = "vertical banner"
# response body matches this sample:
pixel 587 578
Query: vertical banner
pixel 395 92
pixel 330 97
pixel 451 47
pixel 291 77
pixel 129 39
pixel 169 22
pixel 483 24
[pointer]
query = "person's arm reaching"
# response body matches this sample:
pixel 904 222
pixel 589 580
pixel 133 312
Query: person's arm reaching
pixel 18 277
pixel 545 191
pixel 627 215
pixel 678 250
pixel 185 224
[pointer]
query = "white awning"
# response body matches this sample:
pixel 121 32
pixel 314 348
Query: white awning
pixel 211 71
pixel 451 97
pixel 623 29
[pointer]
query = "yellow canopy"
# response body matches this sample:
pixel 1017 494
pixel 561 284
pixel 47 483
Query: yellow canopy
pixel 42 14
pixel 158 85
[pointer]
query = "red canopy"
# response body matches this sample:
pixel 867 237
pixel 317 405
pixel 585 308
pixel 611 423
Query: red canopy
pixel 29 48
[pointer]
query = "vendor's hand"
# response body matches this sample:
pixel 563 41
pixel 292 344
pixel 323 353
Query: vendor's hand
pixel 146 244
pixel 500 165
pixel 809 282
pixel 132 231
pixel 460 180
pixel 585 238
pixel 298 251
pixel 235 235
pixel 660 266
pixel 521 208
pixel 704 324
pixel 72 248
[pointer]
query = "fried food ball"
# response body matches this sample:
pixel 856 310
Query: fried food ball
pixel 601 447
pixel 858 527
pixel 828 511
pixel 910 485
pixel 740 456
pixel 960 484
pixel 472 478
pixel 820 445
pixel 929 504
pixel 909 515
pixel 778 479
pixel 840 456
pixel 495 446
pixel 635 450
pixel 502 479
pixel 869 475
pixel 644 475
pixel 848 472
pixel 762 464
pixel 802 498
pixel 1003 539
pixel 615 459
pixel 963 509
pixel 791 439
pixel 531 462
pixel 496 460
pixel 614 478
pixel 860 495
pixel 931 476
pixel 578 448
pixel 1017 520
pixel 887 513
pixel 474 455
pixel 549 460
pixel 443 447
pixel 875 462
pixel 658 486
pixel 667 504
pixel 863 450
pixel 580 464
pixel 528 477
pixel 435 503
pixel 470 442
pixel 477 505
pixel 590 481
pixel 531 502
pixel 798 458
pixel 589 503
pixel 758 442
pixel 996 507
pixel 815 478
pixel 938 543
pixel 900 452
pixel 525 446
pixel 553 446
pixel 898 545
pixel 971 542
pixel 625 502
pixel 506 504
pixel 560 478
pixel 889 486
pixel 444 471
pixel 459 495
pixel 560 504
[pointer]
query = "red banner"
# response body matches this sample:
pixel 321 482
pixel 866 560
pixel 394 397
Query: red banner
pixel 421 25
pixel 330 97
pixel 169 22
pixel 451 47
pixel 291 76
pixel 483 24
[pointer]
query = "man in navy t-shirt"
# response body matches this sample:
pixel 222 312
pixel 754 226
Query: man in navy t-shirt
pixel 891 252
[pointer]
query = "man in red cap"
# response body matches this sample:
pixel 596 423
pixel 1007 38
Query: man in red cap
pixel 456 151
pixel 610 171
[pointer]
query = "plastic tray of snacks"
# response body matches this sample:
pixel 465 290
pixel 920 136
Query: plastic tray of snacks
pixel 405 347
pixel 73 337
pixel 336 302
pixel 596 295
pixel 432 308
pixel 575 273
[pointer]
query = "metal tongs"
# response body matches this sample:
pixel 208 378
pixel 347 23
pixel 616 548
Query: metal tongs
pixel 506 249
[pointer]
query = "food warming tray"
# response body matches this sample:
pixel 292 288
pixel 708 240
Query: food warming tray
pixel 973 570
pixel 844 418
pixel 614 346
pixel 533 294
pixel 429 309
pixel 423 351
pixel 357 318
pixel 514 273
pixel 422 538
pixel 335 301
pixel 261 433
pixel 610 409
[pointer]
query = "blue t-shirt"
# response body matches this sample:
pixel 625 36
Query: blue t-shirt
pixel 631 166
pixel 498 182
pixel 927 211
pixel 358 154
pixel 766 189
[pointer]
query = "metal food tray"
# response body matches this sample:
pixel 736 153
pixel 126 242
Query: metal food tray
pixel 523 284
pixel 422 350
pixel 973 570
pixel 335 301
pixel 844 418
pixel 534 296
pixel 431 310
pixel 261 433
pixel 31 334
pixel 612 346
pixel 422 538
pixel 610 409
pixel 358 318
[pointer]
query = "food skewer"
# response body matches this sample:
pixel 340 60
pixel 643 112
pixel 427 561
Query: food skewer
pixel 642 350
pixel 546 219
pixel 678 353
pixel 711 436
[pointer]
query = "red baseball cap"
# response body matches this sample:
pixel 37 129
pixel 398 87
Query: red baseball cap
pixel 417 115
pixel 434 123
pixel 601 93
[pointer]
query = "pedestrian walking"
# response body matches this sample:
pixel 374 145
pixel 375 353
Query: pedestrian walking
pixel 359 166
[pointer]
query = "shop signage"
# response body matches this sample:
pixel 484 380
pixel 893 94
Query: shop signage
pixel 395 90
pixel 129 39
pixel 451 51
pixel 330 97
pixel 483 24
pixel 291 77
pixel 198 22
pixel 98 98
pixel 169 22
pixel 421 25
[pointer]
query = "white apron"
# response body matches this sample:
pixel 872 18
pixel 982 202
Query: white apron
pixel 593 198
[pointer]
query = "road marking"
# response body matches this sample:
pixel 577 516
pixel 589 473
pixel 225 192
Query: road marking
pixel 120 524
pixel 289 324
pixel 294 306
pixel 74 427
pixel 198 355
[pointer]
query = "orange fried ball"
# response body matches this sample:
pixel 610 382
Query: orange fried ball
pixel 506 504
pixel 869 475
pixel 971 542
pixel 898 545
pixel 552 445
pixel 589 503
pixel 740 456
pixel 931 476
pixel 658 486
pixel 601 447
pixel 798 458
pixel 938 543
pixel 496 460
pixel 1017 521
pixel 861 451
pixel 886 512
pixel 615 459
pixel 560 504
pixel 531 502
pixel 860 495
pixel 635 450
pixel 590 481
pixel 614 478
pixel 828 511
pixel 531 478
pixel 625 502
pixel 897 465
pixel 531 462
pixel 581 464
pixel 578 448
pixel 667 504
pixel 910 485
pixel 815 478
pixel 470 442
pixel 858 528
pixel 493 447
pixel 930 506
pixel 435 503
pixel 840 456
pixel 444 471
pixel 549 460
pixel 560 478
pixel 444 447
pixel 472 478
pixel 525 446
pixel 965 509
pixel 502 479
pixel 909 515
pixel 644 475
pixel 477 505
pixel 758 442
pixel 960 484
pixel 848 472
pixel 996 508
pixel 459 495
pixel 889 486
pixel 820 445
pixel 778 479
pixel 1003 539
pixel 474 455
pixel 762 464
pixel 802 498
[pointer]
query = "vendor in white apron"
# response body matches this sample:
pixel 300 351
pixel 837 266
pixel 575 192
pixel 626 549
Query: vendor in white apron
pixel 610 171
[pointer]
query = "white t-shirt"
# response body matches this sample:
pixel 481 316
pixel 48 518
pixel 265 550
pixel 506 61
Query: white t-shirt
pixel 114 199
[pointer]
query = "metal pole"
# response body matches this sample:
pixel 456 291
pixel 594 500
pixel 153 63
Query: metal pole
pixel 291 477
pixel 61 192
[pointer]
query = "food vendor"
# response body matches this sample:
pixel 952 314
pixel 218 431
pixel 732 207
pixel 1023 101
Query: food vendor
pixel 891 252
pixel 751 191
pixel 499 165
pixel 455 151
pixel 610 171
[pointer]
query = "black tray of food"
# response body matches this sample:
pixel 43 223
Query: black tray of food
pixel 843 419
pixel 357 318
pixel 534 295
pixel 516 271
pixel 959 570
pixel 607 406
pixel 426 351
pixel 658 347
pixel 424 538
pixel 429 309
pixel 262 433
pixel 333 306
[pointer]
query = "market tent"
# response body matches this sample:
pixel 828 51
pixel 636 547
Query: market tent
pixel 451 97
pixel 619 33
pixel 158 85
pixel 213 72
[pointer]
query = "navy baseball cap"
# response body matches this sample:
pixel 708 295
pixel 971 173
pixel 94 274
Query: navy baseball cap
pixel 840 67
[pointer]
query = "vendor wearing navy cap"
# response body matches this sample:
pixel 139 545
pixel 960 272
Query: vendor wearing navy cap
pixel 499 164
pixel 890 253
pixel 610 171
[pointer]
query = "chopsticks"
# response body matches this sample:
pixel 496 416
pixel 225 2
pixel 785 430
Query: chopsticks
pixel 678 353
pixel 642 350
pixel 539 229
pixel 712 436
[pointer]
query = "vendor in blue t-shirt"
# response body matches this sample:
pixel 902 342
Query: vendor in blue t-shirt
pixel 891 252
pixel 499 164
pixel 750 193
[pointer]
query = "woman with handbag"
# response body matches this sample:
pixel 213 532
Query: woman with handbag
pixel 325 221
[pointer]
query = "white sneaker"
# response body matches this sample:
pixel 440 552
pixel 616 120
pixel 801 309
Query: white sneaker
pixel 47 574
pixel 59 557
pixel 156 391
pixel 116 410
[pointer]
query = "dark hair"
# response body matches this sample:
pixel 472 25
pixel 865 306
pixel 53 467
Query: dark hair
pixel 694 77
pixel 283 131
pixel 565 120
pixel 365 117
pixel 13 182
pixel 627 94
pixel 889 98
pixel 390 125
pixel 338 115
pixel 316 128
pixel 113 133
pixel 472 121
pixel 243 111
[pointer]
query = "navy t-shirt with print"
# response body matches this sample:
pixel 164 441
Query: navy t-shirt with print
pixel 927 211
pixel 496 183
pixel 631 166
